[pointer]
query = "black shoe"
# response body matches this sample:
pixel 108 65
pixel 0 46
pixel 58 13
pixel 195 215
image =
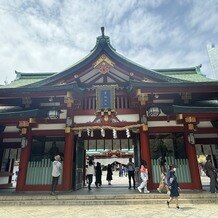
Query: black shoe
pixel 168 203
pixel 177 207
pixel 129 187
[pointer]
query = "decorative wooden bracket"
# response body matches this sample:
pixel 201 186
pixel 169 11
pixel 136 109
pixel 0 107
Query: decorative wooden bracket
pixel 145 127
pixel 179 117
pixel 106 116
pixel 68 99
pixel 190 119
pixel 23 126
pixel 142 97
pixel 191 123
pixel 67 129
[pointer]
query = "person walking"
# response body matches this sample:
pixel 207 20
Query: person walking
pixel 211 172
pixel 163 177
pixel 173 185
pixel 120 170
pixel 109 174
pixel 56 172
pixel 131 172
pixel 163 184
pixel 98 174
pixel 162 163
pixel 144 177
pixel 90 171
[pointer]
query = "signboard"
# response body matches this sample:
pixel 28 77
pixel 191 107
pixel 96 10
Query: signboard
pixel 105 97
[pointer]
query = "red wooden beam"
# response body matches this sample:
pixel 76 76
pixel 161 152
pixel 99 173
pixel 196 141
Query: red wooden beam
pixel 165 129
pixel 206 140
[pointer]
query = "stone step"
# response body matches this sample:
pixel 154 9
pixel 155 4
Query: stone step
pixel 70 199
pixel 103 202
pixel 71 196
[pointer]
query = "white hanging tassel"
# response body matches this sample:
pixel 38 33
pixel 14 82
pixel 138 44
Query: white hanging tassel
pixel 127 133
pixel 80 133
pixel 114 133
pixel 102 132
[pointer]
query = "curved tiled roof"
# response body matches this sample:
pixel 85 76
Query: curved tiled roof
pixel 103 46
pixel 192 74
pixel 23 79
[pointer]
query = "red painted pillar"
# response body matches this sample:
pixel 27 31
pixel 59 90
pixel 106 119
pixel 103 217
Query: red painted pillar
pixel 193 164
pixel 68 161
pixel 24 159
pixel 145 153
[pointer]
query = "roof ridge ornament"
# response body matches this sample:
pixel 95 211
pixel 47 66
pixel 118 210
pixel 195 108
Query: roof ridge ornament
pixel 103 41
pixel 102 31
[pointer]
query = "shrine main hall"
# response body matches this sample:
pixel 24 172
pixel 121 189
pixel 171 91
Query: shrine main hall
pixel 106 106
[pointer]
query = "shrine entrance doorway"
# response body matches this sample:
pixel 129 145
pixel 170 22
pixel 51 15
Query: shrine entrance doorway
pixel 106 150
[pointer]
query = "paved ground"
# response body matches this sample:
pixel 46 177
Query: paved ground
pixel 106 211
pixel 116 211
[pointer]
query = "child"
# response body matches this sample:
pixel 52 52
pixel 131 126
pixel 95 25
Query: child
pixel 144 177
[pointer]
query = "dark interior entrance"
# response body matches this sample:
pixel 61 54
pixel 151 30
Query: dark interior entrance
pixel 9 167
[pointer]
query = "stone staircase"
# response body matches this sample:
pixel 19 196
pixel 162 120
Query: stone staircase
pixel 102 199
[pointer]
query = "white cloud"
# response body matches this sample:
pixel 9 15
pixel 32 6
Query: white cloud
pixel 51 35
pixel 204 16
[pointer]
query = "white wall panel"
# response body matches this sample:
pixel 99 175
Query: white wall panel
pixel 84 119
pixel 163 123
pixel 204 124
pixel 128 117
pixel 11 129
pixel 49 126
pixel 212 135
pixel 12 139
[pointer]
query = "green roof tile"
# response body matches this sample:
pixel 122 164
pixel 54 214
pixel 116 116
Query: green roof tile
pixel 188 74
pixel 191 77
pixel 21 82
pixel 24 79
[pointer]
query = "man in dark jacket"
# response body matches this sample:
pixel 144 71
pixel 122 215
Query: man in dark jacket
pixel 131 172
pixel 211 172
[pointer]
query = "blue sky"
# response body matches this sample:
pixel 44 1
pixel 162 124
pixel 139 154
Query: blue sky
pixel 51 35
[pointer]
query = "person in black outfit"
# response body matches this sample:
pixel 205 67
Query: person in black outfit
pixel 109 174
pixel 131 172
pixel 173 185
pixel 211 172
pixel 53 151
pixel 98 174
